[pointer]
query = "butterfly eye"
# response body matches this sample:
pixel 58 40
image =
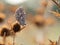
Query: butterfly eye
pixel 2 17
pixel 1 20
pixel 39 24
pixel 1 44
pixel 16 27
pixel 5 31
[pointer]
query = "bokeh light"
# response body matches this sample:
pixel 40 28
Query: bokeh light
pixel 14 2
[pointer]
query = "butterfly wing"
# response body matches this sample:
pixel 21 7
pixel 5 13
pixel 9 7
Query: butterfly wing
pixel 20 16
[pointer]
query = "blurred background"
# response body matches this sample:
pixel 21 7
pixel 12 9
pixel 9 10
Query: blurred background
pixel 42 21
